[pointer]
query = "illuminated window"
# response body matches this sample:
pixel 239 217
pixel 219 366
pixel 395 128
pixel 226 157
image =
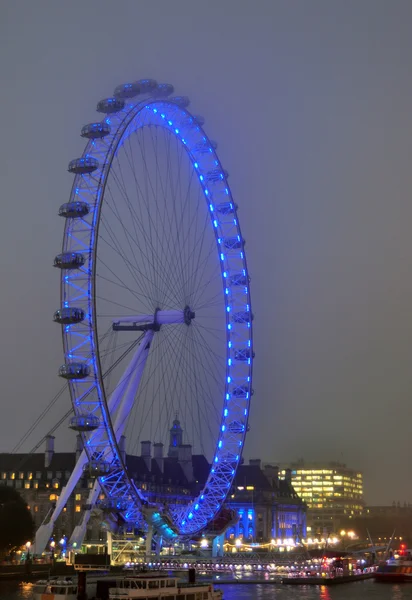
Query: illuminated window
pixel 35 485
pixel 12 475
pixel 52 497
pixel 27 485
pixel 21 475
pixel 4 475
pixel 30 476
pixel 78 496
pixel 77 508
pixel 56 485
pixel 28 507
pixel 250 487
pixel 36 509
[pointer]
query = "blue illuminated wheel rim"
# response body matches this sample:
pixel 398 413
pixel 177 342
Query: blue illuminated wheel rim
pixel 179 241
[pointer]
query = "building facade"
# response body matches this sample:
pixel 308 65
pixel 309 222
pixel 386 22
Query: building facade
pixel 332 491
pixel 267 506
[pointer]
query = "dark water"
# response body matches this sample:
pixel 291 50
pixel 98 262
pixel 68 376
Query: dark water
pixel 362 590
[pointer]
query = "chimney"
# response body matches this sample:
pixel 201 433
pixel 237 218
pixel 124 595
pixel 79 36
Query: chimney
pixel 48 455
pixel 122 448
pixel 288 476
pixel 272 473
pixel 158 455
pixel 79 446
pixel 255 462
pixel 184 458
pixel 146 454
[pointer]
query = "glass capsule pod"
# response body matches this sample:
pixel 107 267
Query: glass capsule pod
pixel 74 210
pixel 147 85
pixel 163 90
pixel 69 260
pixel 68 315
pixel 94 131
pixel 74 370
pixel 83 166
pixel 182 101
pixel 110 106
pixel 127 90
pixel 84 423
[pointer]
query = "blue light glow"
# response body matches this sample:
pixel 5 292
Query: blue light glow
pixel 225 412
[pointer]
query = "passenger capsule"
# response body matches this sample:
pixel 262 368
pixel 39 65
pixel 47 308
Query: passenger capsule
pixel 84 423
pixel 242 317
pixel 110 105
pixel 127 90
pixel 68 315
pixel 97 468
pixel 245 354
pixel 69 260
pixel 163 90
pixel 74 210
pixel 182 101
pixel 226 208
pixel 83 166
pixel 95 131
pixel 74 370
pixel 147 85
pixel 233 243
pixel 217 175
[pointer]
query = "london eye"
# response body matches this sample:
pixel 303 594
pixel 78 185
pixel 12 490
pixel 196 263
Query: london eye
pixel 155 308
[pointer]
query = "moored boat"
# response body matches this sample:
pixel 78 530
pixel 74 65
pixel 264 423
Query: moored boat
pixel 397 569
pixel 156 587
pixel 66 588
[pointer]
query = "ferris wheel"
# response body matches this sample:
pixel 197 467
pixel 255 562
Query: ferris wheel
pixel 155 304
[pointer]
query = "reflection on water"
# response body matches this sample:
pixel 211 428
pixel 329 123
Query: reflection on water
pixel 362 590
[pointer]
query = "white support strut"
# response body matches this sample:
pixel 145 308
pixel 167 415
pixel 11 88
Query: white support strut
pixel 121 400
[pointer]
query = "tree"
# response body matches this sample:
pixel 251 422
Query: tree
pixel 16 522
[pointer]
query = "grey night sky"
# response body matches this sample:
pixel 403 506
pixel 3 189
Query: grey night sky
pixel 310 101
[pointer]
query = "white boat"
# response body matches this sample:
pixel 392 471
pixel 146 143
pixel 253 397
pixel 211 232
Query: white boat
pixel 65 588
pixel 147 586
pixel 159 587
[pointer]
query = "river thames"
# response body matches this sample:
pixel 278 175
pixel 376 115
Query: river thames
pixel 362 590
